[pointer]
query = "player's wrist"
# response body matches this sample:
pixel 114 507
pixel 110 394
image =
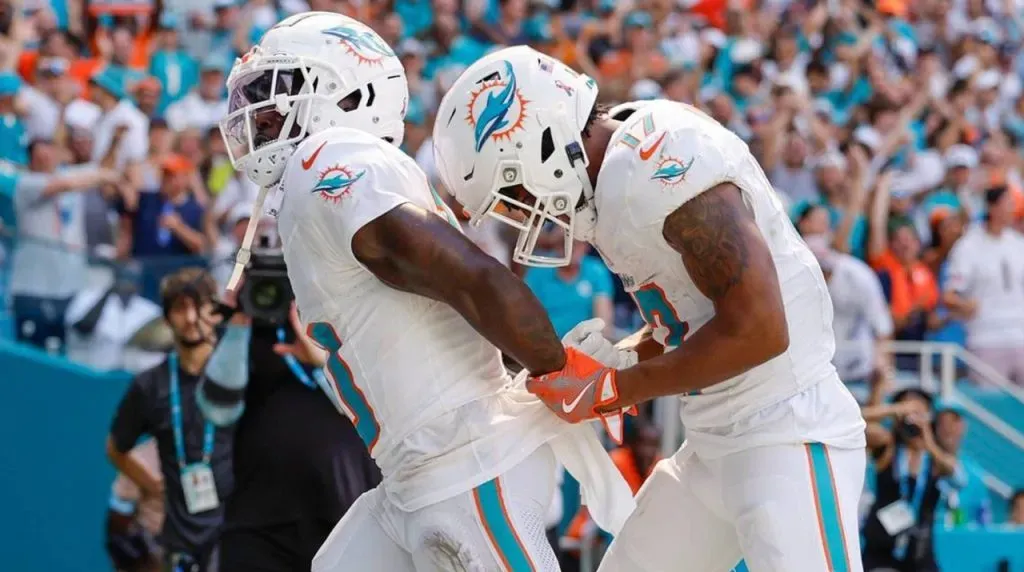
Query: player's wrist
pixel 623 394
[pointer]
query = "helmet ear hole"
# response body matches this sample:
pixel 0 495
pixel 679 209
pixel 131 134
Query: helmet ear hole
pixel 547 145
pixel 351 101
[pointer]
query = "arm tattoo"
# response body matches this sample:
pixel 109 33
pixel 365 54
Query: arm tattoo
pixel 708 232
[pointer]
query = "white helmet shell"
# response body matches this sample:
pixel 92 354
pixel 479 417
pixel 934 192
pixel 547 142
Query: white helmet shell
pixel 310 72
pixel 515 118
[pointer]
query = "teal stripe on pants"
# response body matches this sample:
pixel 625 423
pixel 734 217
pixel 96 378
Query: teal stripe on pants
pixel 499 527
pixel 831 521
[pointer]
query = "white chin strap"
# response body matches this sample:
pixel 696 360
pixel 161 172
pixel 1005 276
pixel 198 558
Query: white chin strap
pixel 244 252
pixel 585 219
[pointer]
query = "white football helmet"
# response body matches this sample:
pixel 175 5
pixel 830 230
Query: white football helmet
pixel 310 72
pixel 515 118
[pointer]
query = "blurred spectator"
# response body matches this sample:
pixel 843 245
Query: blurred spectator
pixel 164 229
pixel 215 34
pixel 124 52
pixel 121 129
pixel 416 129
pixel 171 65
pixel 965 496
pixel 908 467
pixel 13 136
pixel 195 471
pixel 413 54
pixel 160 146
pixel 49 258
pixel 46 101
pixel 986 285
pixel 945 228
pixel 204 106
pixel 894 250
pixel 147 97
pixel 861 320
pixel 215 170
pixel 574 293
pixel 1017 508
pixel 168 222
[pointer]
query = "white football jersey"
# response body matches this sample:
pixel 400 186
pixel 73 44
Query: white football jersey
pixel 420 384
pixel 663 155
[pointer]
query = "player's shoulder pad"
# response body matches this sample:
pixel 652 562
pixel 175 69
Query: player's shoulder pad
pixel 675 166
pixel 337 161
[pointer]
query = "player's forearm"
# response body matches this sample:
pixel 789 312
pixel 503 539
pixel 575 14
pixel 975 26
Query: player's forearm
pixel 715 353
pixel 505 311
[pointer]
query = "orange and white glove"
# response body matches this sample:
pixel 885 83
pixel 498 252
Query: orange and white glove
pixel 575 392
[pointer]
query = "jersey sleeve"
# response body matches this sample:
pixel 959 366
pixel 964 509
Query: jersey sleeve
pixel 345 186
pixel 673 170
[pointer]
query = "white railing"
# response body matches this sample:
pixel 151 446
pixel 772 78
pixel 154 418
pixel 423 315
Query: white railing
pixel 948 355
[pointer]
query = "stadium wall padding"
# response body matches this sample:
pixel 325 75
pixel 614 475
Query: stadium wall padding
pixel 54 475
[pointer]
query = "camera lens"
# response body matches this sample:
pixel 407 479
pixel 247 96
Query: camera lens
pixel 267 295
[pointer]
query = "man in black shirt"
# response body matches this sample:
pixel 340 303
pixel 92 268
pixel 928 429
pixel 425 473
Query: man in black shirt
pixel 195 456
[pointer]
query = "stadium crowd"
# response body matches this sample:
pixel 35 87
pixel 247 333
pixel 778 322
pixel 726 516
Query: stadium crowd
pixel 892 130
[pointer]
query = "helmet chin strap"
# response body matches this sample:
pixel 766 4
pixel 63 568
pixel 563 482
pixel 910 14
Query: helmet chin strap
pixel 244 252
pixel 586 215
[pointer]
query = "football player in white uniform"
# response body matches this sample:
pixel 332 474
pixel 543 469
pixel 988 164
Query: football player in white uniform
pixel 677 206
pixel 408 309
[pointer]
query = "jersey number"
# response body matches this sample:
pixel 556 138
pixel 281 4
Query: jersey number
pixel 658 312
pixel 345 388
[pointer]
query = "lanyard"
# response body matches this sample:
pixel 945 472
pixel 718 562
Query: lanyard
pixel 293 364
pixel 179 438
pixel 902 469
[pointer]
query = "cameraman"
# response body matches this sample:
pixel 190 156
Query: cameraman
pixel 909 467
pixel 298 463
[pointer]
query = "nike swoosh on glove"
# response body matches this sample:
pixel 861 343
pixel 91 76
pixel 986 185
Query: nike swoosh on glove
pixel 576 391
pixel 588 337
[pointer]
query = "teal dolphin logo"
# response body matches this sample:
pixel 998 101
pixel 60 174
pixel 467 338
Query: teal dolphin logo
pixel 366 45
pixel 336 182
pixel 671 171
pixel 502 112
